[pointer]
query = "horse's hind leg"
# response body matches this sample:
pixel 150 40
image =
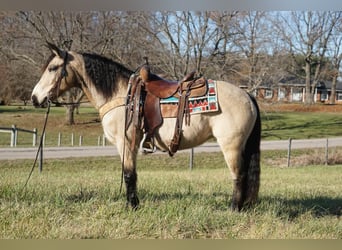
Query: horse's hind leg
pixel 239 173
pixel 234 159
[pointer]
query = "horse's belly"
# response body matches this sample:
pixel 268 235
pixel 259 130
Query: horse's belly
pixel 193 135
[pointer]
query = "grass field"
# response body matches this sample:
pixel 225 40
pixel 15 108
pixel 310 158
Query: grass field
pixel 79 198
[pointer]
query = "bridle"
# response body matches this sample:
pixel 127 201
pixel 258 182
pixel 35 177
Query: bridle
pixel 63 74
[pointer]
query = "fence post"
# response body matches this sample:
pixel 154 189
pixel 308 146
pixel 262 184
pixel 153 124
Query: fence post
pixel 14 135
pixel 289 153
pixel 191 160
pixel 34 139
pixel 80 140
pixel 59 142
pixel 98 140
pixel 327 152
pixel 72 139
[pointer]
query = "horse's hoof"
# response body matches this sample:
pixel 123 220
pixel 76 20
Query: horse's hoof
pixel 235 207
pixel 133 203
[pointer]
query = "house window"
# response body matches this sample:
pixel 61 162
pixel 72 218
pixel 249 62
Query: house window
pixel 297 94
pixel 268 93
pixel 281 94
pixel 324 95
pixel 339 97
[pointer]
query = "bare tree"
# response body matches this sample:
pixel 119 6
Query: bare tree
pixel 170 50
pixel 308 33
pixel 252 42
pixel 336 58
pixel 17 65
pixel 186 40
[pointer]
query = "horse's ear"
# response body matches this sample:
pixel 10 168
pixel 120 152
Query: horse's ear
pixel 54 49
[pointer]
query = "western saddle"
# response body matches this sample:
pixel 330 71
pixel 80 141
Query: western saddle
pixel 144 99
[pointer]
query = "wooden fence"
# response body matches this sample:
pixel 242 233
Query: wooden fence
pixel 14 134
pixel 69 140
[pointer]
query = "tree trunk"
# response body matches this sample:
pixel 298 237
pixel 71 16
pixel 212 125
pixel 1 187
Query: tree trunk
pixel 69 119
pixel 308 95
pixel 333 90
pixel 70 115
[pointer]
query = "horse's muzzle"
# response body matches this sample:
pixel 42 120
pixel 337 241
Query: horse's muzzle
pixel 36 103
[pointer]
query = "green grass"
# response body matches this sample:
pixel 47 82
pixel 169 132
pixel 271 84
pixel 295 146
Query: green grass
pixel 79 198
pixel 300 125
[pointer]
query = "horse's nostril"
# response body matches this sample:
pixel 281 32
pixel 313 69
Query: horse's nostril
pixel 35 101
pixel 38 104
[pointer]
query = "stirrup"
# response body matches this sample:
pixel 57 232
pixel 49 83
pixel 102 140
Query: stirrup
pixel 147 145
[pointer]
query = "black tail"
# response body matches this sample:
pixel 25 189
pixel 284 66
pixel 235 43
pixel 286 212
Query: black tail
pixel 252 159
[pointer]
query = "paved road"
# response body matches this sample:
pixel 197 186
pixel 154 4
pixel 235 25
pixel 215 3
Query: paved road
pixel 65 152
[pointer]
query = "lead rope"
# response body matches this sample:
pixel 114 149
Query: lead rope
pixel 40 144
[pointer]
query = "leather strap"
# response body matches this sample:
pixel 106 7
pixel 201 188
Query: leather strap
pixel 115 103
pixel 182 111
pixel 135 110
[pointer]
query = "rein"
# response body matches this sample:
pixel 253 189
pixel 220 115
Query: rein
pixel 40 148
pixel 68 103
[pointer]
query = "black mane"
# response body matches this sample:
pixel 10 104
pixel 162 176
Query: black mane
pixel 104 73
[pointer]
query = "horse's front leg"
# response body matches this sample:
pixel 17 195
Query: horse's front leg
pixel 128 160
pixel 114 129
pixel 130 176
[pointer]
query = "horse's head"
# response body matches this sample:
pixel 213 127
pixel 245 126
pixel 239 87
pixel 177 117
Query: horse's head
pixel 57 77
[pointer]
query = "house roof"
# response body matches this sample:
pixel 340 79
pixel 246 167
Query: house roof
pixel 298 82
pixel 327 85
pixel 292 81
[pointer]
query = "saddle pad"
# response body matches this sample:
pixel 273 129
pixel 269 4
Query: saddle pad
pixel 203 104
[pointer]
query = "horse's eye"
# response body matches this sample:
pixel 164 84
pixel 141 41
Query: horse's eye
pixel 53 68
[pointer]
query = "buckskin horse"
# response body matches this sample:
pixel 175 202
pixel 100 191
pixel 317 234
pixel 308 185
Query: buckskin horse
pixel 235 125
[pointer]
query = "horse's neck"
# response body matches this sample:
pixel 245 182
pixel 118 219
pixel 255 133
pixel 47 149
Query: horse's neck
pixel 89 89
pixel 97 99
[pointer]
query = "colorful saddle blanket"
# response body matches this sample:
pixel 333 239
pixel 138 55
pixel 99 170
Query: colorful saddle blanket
pixel 202 104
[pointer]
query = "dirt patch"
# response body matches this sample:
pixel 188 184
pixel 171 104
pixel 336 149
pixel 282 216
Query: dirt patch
pixel 298 107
